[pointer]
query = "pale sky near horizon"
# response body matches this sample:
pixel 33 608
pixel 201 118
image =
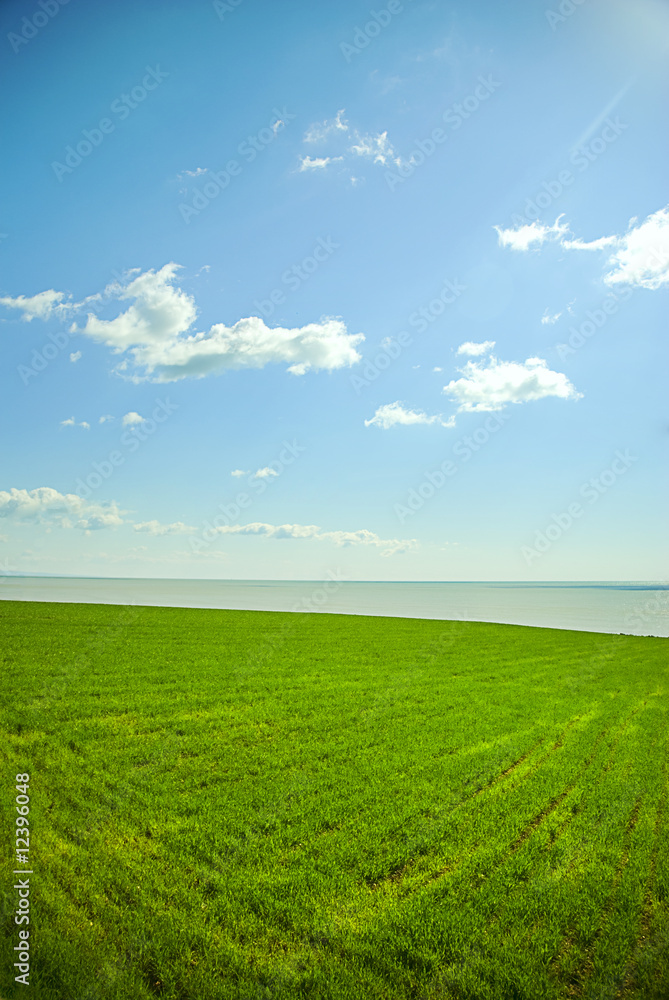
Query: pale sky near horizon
pixel 307 288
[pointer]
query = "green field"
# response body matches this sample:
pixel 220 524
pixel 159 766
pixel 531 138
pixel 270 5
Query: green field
pixel 255 805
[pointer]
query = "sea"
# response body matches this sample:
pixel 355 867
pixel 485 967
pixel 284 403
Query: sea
pixel 632 608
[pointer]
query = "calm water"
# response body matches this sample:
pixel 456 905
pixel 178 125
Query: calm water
pixel 633 608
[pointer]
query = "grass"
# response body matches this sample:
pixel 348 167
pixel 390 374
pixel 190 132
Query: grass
pixel 249 805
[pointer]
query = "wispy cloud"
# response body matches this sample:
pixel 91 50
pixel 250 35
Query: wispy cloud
pixel 391 414
pixel 550 318
pixel 319 131
pixel 192 173
pixel 71 422
pixel 388 546
pixel 265 473
pixel 475 349
pixel 349 144
pixel 318 162
pixel 156 528
pixel 531 234
pixel 640 256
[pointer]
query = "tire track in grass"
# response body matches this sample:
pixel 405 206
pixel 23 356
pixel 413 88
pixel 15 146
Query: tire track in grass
pixel 470 902
pixel 393 886
pixel 503 914
pixel 556 800
pixel 645 942
pixel 387 890
pixel 578 979
pixel 554 803
pixel 397 874
pixel 559 965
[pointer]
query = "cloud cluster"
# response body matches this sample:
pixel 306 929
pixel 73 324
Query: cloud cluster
pixel 153 334
pixel 639 257
pixel 46 506
pixel 388 546
pixel 65 510
pixel 486 385
pixel 349 145
pixel 71 422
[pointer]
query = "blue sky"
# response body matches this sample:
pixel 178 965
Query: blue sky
pixel 298 288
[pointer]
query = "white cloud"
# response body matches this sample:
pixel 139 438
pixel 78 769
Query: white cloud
pixel 44 305
pixel 491 384
pixel 321 130
pixel 239 472
pixel 156 528
pixel 600 244
pixel 132 418
pixel 104 418
pixel 265 473
pixel 74 357
pixel 71 422
pixel 469 347
pixel 159 313
pixel 49 304
pixel 376 146
pixel 347 143
pixel 389 546
pixel 391 414
pixel 153 331
pixel 437 369
pixel 549 318
pixel 47 506
pixel 318 162
pixel 642 257
pixel 531 234
pixel 192 173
